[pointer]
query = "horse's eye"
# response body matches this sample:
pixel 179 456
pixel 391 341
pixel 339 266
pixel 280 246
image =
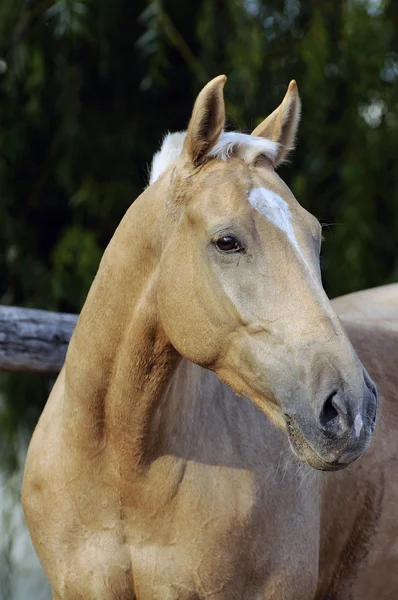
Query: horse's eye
pixel 228 243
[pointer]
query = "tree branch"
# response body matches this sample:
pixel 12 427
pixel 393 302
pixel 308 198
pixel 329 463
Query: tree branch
pixel 34 340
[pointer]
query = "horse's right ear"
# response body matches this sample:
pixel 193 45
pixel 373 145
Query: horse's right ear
pixel 207 121
pixel 281 125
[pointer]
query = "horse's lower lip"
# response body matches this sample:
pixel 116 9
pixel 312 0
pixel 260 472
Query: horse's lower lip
pixel 309 456
pixel 305 452
pixel 331 467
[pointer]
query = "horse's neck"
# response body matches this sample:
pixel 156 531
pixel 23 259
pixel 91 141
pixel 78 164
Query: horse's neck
pixel 119 361
pixel 200 419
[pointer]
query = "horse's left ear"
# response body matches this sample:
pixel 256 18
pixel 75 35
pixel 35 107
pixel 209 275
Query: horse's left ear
pixel 207 120
pixel 281 125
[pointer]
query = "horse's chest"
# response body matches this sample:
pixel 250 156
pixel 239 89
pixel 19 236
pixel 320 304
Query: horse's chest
pixel 218 533
pixel 189 549
pixel 185 572
pixel 198 544
pixel 218 536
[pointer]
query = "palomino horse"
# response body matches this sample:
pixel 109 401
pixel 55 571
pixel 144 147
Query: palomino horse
pixel 155 471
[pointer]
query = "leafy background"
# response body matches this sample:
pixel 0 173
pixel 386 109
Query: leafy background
pixel 88 87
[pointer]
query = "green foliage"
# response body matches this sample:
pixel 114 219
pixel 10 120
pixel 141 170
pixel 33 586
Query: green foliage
pixel 88 88
pixel 75 259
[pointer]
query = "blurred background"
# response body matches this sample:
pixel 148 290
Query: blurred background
pixel 88 88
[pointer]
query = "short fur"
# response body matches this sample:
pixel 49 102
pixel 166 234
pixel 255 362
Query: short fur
pixel 155 471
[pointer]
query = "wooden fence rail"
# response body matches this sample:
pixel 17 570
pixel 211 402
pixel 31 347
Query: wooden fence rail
pixel 34 341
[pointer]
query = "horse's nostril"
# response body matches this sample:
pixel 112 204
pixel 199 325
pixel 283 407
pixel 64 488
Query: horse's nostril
pixel 370 385
pixel 330 415
pixel 372 410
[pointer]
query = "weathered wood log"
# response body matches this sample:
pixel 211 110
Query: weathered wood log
pixel 34 340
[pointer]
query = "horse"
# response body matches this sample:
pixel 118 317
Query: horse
pixel 201 439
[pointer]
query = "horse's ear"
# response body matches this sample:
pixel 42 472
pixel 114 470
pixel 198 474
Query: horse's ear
pixel 207 120
pixel 281 125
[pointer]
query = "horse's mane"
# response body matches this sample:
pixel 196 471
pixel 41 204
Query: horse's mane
pixel 230 143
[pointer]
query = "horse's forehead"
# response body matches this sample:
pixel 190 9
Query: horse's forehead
pixel 275 210
pixel 273 203
pixel 275 189
pixel 236 177
pixel 234 187
pixel 273 200
pixel 222 184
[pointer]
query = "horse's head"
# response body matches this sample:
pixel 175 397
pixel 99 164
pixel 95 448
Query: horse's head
pixel 240 287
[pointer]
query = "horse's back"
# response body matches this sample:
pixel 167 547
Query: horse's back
pixel 378 306
pixel 370 318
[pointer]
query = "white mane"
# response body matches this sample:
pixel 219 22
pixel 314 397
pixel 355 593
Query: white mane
pixel 247 147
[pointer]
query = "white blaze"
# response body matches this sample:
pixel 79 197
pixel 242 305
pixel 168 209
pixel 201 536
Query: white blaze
pixel 275 210
pixel 358 424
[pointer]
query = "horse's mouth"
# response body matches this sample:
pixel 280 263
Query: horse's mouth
pixel 304 451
